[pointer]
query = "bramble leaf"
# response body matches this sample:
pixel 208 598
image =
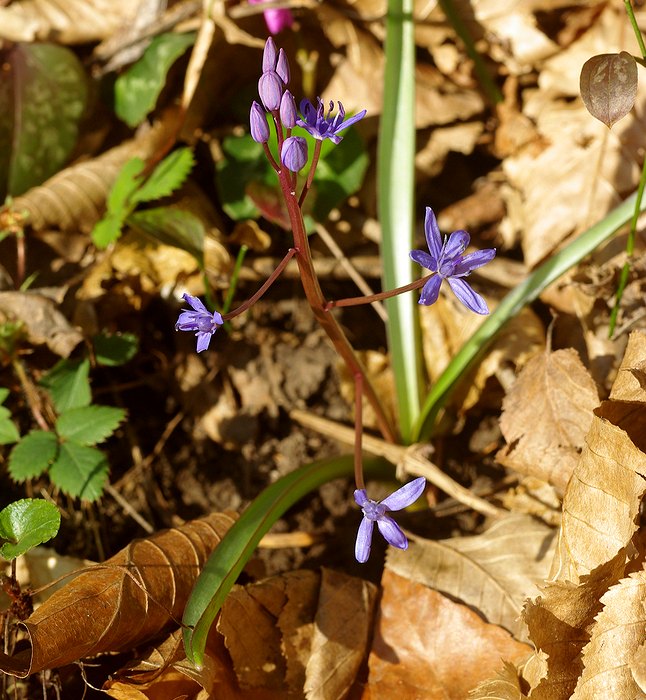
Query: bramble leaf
pixel 89 425
pixel 167 176
pixel 25 524
pixel 68 384
pixel 32 455
pixel 80 471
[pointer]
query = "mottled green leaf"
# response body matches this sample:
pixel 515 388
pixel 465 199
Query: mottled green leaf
pixel 25 524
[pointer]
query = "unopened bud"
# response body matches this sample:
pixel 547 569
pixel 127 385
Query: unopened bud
pixel 258 123
pixel 294 153
pixel 270 89
pixel 282 67
pixel 269 56
pixel 288 110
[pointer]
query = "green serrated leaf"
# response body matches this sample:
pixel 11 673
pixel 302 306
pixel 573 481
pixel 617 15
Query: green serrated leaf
pixel 107 230
pixel 43 95
pixel 8 431
pixel 32 455
pixel 137 90
pixel 25 524
pixel 168 176
pixel 172 226
pixel 114 350
pixel 89 425
pixel 80 471
pixel 4 392
pixel 69 385
pixel 129 178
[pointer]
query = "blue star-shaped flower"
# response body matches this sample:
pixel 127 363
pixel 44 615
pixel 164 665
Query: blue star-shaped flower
pixel 447 259
pixel 375 512
pixel 200 320
pixel 325 127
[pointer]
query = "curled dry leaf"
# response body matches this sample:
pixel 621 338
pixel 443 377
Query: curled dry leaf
pixel 72 22
pixel 609 86
pixel 420 636
pixel 117 605
pixel 546 416
pixel 43 322
pixel 492 573
pixel 505 686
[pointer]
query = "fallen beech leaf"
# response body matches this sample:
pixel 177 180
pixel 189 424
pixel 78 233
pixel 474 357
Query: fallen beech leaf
pixel 505 686
pixel 493 573
pixel 119 604
pixel 546 416
pixel 618 632
pixel 42 320
pixel 630 382
pixel 427 646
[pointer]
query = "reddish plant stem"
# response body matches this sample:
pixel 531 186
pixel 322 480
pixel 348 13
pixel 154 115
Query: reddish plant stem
pixel 357 301
pixel 318 303
pixel 310 175
pixel 358 431
pixel 270 280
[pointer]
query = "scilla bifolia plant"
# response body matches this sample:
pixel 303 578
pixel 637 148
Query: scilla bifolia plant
pixel 446 259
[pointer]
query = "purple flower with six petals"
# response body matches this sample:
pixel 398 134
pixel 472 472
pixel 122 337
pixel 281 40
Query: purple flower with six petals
pixel 375 512
pixel 325 127
pixel 200 320
pixel 447 259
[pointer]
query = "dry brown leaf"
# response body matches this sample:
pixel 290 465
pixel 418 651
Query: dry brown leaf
pixel 493 573
pixel 42 321
pixel 546 416
pixel 74 198
pixel 71 22
pixel 119 604
pixel 618 632
pixel 505 686
pixel 630 382
pixel 427 646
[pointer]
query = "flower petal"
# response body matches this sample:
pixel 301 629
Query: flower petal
pixel 456 245
pixel 364 540
pixel 187 321
pixel 421 257
pixel 203 340
pixel 430 291
pixel 360 496
pixel 433 236
pixel 217 318
pixel 195 303
pixel 470 298
pixel 472 261
pixel 351 120
pixel 392 532
pixel 405 495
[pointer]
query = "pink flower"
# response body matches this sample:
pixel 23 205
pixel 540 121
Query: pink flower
pixel 275 19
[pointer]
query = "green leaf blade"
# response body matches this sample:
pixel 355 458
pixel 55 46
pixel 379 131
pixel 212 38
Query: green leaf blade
pixel 69 385
pixel 89 425
pixel 168 176
pixel 25 524
pixel 80 471
pixel 114 350
pixel 33 455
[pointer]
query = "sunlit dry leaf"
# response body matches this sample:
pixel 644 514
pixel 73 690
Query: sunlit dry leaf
pixel 427 646
pixel 609 86
pixel 493 573
pixel 505 686
pixel 343 624
pixel 630 383
pixel 638 667
pixel 43 322
pixel 618 632
pixel 72 22
pixel 546 416
pixel 119 604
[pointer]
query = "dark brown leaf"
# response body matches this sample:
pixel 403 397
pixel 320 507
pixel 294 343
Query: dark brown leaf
pixel 609 86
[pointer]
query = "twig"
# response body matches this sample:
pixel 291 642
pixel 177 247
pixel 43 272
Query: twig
pixel 412 462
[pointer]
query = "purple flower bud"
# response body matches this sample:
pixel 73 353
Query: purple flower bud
pixel 288 110
pixel 270 89
pixel 258 123
pixel 294 153
pixel 282 67
pixel 269 56
pixel 275 19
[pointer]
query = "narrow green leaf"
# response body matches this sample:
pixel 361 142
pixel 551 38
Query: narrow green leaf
pixel 89 425
pixel 172 226
pixel 396 172
pixel 137 90
pixel 113 350
pixel 80 471
pixel 523 294
pixel 25 524
pixel 228 559
pixel 168 176
pixel 32 455
pixel 43 93
pixel 69 385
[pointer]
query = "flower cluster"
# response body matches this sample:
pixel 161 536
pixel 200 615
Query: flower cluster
pixel 279 101
pixel 447 259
